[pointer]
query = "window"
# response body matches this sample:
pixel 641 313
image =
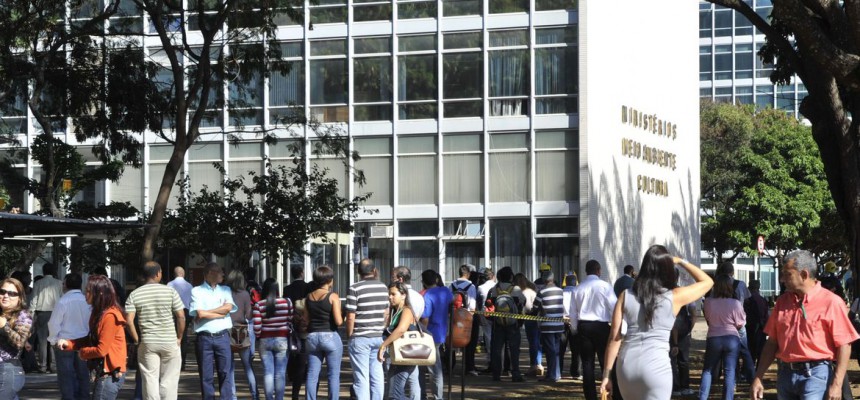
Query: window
pixel 129 188
pixel 558 244
pixel 463 166
pixel 246 93
pixel 463 75
pixel 557 151
pixel 287 85
pixel 417 84
pixel 412 9
pixel 328 12
pixel 785 98
pixel 744 61
pixel 542 5
pixel 13 110
pixel 723 95
pixel 375 163
pixel 508 6
pixel 705 63
pixel 556 70
pixel 213 117
pixel 705 20
pixel 509 167
pixel 743 26
pixel 510 244
pixel 723 62
pixel 417 170
pixel 127 20
pixel 329 89
pixel 373 79
pixel 244 159
pixel 201 173
pixel 371 10
pixel 763 70
pixel 764 96
pixel 509 73
pixel 744 95
pixel 723 21
pixel 454 8
pixel 334 167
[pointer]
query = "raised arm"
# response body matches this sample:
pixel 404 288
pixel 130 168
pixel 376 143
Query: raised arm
pixel 684 295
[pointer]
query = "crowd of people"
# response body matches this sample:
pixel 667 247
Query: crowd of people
pixel 638 331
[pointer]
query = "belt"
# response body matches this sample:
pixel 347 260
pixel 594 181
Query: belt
pixel 216 334
pixel 806 365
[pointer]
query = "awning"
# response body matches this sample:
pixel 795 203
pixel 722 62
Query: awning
pixel 39 227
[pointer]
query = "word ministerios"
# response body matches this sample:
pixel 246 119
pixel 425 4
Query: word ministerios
pixel 649 122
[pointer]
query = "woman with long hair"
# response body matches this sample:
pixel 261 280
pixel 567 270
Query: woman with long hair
pixel 400 319
pixel 273 317
pixel 532 327
pixel 105 347
pixel 243 318
pixel 644 369
pixel 322 311
pixel 725 316
pixel 15 326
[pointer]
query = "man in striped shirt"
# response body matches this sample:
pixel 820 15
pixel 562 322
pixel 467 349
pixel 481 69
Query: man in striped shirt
pixel 162 324
pixel 366 308
pixel 550 300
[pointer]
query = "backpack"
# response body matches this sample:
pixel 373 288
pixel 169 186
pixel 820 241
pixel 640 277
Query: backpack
pixel 506 303
pixel 461 295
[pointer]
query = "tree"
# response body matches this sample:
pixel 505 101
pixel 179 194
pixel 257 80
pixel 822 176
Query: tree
pixel 762 175
pixel 818 41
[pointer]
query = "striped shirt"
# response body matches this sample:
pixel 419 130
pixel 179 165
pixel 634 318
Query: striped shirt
pixel 551 300
pixel 368 300
pixel 154 305
pixel 280 325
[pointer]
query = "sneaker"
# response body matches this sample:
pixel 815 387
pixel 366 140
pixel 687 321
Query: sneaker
pixel 540 370
pixel 577 377
pixel 473 372
pixel 688 392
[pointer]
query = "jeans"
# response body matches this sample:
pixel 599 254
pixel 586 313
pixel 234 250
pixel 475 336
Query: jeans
pixel 533 339
pixel 107 387
pixel 11 380
pixel 725 349
pixel 324 346
pixel 550 343
pixel 367 370
pixel 795 385
pixel 214 354
pixel 592 336
pixel 399 376
pixel 748 372
pixel 72 376
pixel 274 352
pixel 502 335
pixel 487 334
pixel 246 355
pixel 437 374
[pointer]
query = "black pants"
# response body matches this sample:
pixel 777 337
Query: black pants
pixel 569 340
pixel 592 337
pixel 681 364
pixel 472 347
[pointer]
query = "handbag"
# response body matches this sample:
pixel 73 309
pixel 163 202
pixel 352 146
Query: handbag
pixel 240 339
pixel 413 348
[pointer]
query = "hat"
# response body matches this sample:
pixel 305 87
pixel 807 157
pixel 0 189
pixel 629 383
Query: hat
pixel 545 267
pixel 830 267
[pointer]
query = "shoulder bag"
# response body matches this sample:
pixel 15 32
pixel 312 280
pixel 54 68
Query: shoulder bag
pixel 413 348
pixel 240 339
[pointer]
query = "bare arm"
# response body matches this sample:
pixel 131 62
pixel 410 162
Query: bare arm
pixel 180 324
pixel 843 356
pixel 687 294
pixel 132 331
pixel 406 319
pixel 350 323
pixel 613 344
pixel 768 353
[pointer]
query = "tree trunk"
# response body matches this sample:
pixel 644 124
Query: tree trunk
pixel 160 207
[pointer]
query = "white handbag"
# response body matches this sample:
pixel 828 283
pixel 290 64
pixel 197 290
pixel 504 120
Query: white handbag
pixel 413 348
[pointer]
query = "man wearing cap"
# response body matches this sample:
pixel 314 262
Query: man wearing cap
pixel 809 331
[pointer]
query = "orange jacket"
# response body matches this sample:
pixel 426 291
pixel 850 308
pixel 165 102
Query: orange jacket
pixel 111 342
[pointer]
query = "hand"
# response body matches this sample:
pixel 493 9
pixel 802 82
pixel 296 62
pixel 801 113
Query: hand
pixel 757 390
pixel 179 342
pixel 606 387
pixel 677 260
pixel 673 351
pixel 63 344
pixel 381 354
pixel 834 392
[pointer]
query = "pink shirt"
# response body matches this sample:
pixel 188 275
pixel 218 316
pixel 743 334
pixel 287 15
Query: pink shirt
pixel 812 332
pixel 724 316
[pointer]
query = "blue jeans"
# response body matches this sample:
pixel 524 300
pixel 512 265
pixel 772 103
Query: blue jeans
pixel 246 356
pixel 718 348
pixel 399 376
pixel 11 380
pixel 274 352
pixel 214 354
pixel 795 385
pixel 72 376
pixel 551 343
pixel 367 372
pixel 324 346
pixel 533 339
pixel 107 387
pixel 748 371
pixel 436 374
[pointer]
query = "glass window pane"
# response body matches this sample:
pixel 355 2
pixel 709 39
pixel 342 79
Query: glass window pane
pixel 377 175
pixel 417 77
pixel 246 150
pixel 381 112
pixel 418 228
pixel 417 180
pixel 416 144
pixel 328 81
pixel 461 143
pixel 328 47
pixel 205 151
pixel 561 253
pixel 417 43
pixel 372 45
pixel 509 177
pixel 287 88
pixel 291 49
pixel 335 170
pixel 558 35
pixel 509 141
pixel 416 9
pixel 462 178
pixel 542 5
pixel 509 73
pixel 129 188
pixel 551 185
pixel 371 12
pixel 419 256
pixel 556 139
pixel 237 169
pixel 463 76
pixel 372 146
pixel 372 79
pixel 453 8
pixel 418 111
pixel 203 174
pixel 464 109
pixel 328 15
pixel 511 244
pixel 518 37
pixel 508 6
pixel 557 226
pixel 156 173
pixel 467 40
pixel 556 70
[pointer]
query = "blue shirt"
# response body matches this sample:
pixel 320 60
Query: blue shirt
pixel 204 297
pixel 437 301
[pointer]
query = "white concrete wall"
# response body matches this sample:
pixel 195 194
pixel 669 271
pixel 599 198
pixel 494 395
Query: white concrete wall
pixel 640 55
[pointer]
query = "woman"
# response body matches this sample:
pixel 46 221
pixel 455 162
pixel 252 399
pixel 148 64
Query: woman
pixel 273 317
pixel 241 318
pixel 104 348
pixel 649 309
pixel 725 316
pixel 322 311
pixel 532 327
pixel 400 319
pixel 15 325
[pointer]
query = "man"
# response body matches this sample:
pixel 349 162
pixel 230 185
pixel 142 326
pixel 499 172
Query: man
pixel 464 284
pixel 210 305
pixel 46 292
pixel 625 281
pixel 506 331
pixel 757 314
pixel 183 288
pixel 811 334
pixel 551 305
pixel 543 270
pixel 484 322
pixel 70 319
pixel 403 275
pixel 741 294
pixel 162 327
pixel 297 290
pixel 366 309
pixel 437 302
pixel 591 309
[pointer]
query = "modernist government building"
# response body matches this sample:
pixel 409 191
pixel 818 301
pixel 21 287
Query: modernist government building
pixel 491 132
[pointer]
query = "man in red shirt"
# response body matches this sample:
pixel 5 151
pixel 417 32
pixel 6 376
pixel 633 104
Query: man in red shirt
pixel 811 334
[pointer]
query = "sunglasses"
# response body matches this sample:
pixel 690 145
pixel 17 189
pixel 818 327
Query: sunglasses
pixel 9 293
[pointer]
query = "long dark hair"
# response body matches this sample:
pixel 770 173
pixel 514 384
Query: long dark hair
pixel 272 293
pixel 401 287
pixel 656 276
pixel 102 297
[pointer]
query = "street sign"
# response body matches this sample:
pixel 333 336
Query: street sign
pixel 760 244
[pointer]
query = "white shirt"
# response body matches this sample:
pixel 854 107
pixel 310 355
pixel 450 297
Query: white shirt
pixel 181 286
pixel 484 289
pixel 46 292
pixel 471 293
pixel 593 300
pixel 416 300
pixel 71 317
